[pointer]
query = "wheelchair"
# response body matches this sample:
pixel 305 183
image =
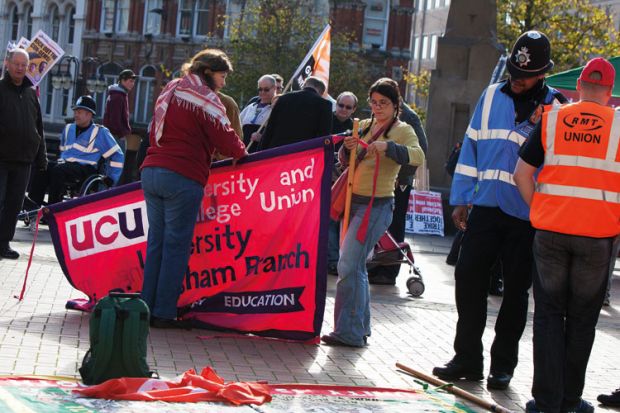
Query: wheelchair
pixel 73 189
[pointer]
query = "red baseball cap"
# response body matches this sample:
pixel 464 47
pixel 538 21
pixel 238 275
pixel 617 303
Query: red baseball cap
pixel 598 64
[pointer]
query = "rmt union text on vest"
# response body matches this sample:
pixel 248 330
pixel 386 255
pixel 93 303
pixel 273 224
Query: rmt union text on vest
pixel 582 137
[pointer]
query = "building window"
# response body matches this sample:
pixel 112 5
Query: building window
pixel 115 16
pixel 28 14
pixel 424 47
pixel 143 109
pixel 70 24
pixel 48 96
pixel 447 3
pixel 429 4
pixel 14 23
pixel 65 101
pixel 416 48
pixel 110 73
pixel 193 19
pixel 433 51
pixel 437 4
pixel 152 16
pixel 54 23
pixel 376 19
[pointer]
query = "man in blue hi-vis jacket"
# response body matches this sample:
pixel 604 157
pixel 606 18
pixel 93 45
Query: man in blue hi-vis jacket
pixel 82 145
pixel 498 222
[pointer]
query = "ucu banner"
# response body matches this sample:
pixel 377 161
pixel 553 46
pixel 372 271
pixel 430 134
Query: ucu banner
pixel 107 230
pixel 258 258
pixel 274 301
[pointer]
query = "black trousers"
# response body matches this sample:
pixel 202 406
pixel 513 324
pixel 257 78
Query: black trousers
pixel 13 183
pixel 491 233
pixel 55 180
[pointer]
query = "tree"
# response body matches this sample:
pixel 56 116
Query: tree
pixel 577 29
pixel 420 84
pixel 273 36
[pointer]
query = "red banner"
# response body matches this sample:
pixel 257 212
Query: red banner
pixel 258 260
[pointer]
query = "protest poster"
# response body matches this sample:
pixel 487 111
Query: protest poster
pixel 425 213
pixel 44 53
pixel 23 43
pixel 259 249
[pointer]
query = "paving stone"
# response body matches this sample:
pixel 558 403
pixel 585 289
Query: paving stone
pixel 38 336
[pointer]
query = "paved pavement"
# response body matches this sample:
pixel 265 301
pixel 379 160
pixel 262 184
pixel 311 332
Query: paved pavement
pixel 38 336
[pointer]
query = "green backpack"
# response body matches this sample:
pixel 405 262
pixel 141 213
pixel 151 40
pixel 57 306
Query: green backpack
pixel 119 327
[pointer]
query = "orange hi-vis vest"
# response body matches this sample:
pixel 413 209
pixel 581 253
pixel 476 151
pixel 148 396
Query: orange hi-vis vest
pixel 578 188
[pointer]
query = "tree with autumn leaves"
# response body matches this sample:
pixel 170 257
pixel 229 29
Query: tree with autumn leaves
pixel 578 30
pixel 273 36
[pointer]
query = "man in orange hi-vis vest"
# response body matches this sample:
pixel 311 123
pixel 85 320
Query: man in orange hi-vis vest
pixel 575 208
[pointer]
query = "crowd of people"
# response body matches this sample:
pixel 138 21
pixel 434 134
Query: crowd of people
pixel 526 168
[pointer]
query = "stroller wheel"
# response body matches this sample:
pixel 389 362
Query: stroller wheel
pixel 415 286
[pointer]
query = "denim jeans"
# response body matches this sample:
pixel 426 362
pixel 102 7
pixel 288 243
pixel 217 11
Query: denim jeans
pixel 333 242
pixel 568 293
pixel 612 267
pixel 352 308
pixel 172 205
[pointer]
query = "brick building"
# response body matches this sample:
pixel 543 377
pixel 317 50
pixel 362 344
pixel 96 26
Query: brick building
pixel 154 37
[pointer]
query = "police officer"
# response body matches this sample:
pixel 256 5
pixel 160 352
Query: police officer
pixel 575 208
pixel 498 224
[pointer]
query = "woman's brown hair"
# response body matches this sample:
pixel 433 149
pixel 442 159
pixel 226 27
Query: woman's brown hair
pixel 388 88
pixel 206 62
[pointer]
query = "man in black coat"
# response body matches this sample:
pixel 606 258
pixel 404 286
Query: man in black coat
pixel 298 116
pixel 21 144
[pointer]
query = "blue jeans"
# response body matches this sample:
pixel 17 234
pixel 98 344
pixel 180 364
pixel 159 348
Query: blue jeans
pixel 172 204
pixel 352 308
pixel 333 242
pixel 568 293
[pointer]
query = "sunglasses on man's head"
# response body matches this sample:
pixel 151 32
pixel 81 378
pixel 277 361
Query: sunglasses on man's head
pixel 264 89
pixel 342 105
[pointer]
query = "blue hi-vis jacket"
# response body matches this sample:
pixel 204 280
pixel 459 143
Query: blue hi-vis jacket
pixel 90 146
pixel 484 173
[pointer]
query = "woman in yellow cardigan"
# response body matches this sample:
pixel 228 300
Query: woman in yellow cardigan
pixel 396 144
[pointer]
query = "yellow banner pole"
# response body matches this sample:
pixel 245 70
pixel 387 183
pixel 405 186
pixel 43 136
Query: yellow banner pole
pixel 347 204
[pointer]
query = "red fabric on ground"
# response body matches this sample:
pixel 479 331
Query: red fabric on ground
pixel 206 387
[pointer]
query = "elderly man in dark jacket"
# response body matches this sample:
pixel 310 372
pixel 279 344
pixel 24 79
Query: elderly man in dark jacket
pixel 21 144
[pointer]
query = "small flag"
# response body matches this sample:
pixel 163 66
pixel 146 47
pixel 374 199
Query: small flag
pixel 316 62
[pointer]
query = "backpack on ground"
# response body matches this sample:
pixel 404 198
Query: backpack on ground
pixel 119 327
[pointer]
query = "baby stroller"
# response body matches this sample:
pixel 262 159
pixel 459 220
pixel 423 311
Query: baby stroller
pixel 389 253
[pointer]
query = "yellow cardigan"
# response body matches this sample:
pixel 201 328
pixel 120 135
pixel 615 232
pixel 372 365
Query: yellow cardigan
pixel 401 134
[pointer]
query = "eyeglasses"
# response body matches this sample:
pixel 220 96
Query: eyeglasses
pixel 343 106
pixel 264 89
pixel 379 104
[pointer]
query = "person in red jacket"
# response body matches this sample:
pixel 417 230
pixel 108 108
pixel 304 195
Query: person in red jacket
pixel 116 119
pixel 188 126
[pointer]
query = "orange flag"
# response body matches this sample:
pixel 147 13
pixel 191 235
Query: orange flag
pixel 316 62
pixel 206 387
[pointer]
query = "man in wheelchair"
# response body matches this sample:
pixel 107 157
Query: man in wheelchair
pixel 83 144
